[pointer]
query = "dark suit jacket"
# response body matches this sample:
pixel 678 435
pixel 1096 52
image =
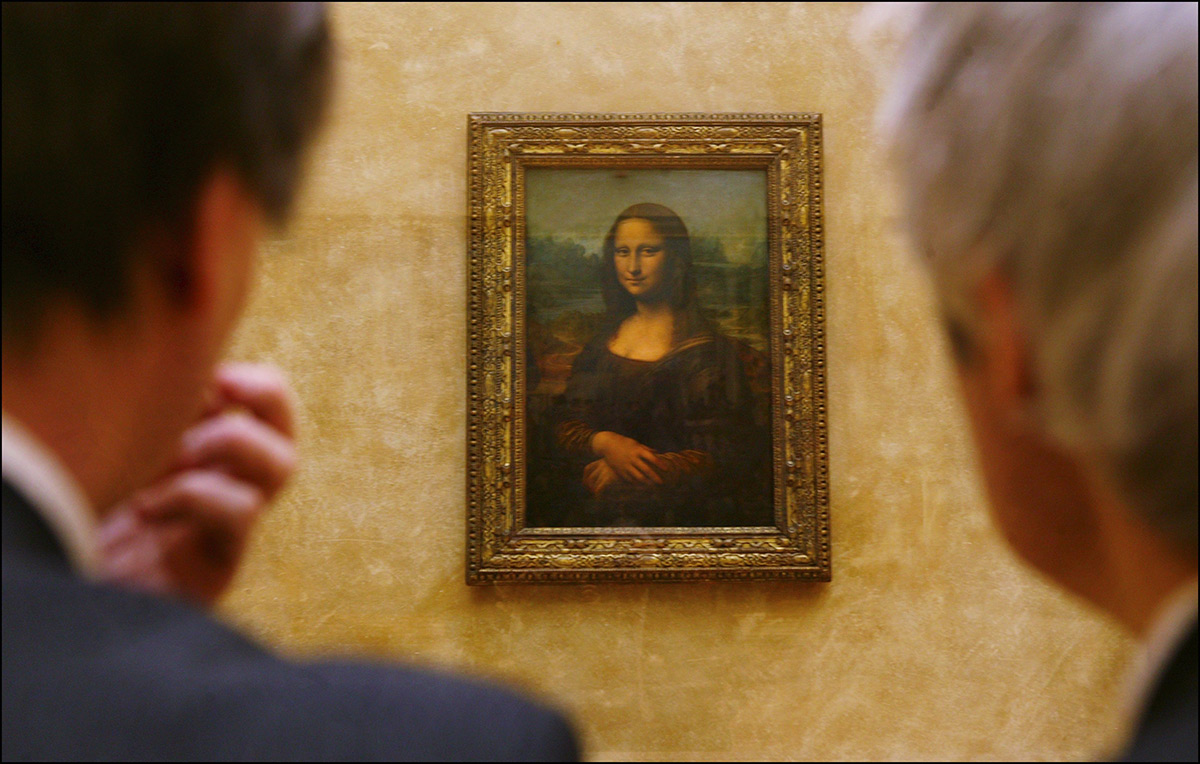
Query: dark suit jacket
pixel 95 672
pixel 1167 729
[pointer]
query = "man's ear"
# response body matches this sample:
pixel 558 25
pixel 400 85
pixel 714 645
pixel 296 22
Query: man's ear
pixel 208 265
pixel 1004 355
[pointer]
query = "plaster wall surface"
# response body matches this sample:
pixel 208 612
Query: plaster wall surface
pixel 931 641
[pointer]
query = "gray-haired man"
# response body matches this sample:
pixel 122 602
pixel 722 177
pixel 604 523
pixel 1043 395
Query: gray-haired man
pixel 1048 153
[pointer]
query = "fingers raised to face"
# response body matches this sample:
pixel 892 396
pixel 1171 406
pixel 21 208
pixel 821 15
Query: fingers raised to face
pixel 243 446
pixel 204 497
pixel 261 389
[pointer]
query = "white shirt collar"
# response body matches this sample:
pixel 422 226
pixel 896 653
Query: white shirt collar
pixel 42 479
pixel 1175 617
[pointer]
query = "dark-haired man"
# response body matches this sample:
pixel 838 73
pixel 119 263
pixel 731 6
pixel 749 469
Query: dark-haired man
pixel 146 148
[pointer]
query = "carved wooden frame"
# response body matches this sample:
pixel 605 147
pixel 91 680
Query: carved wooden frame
pixel 499 548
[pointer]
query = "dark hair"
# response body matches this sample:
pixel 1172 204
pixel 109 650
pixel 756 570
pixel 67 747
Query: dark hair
pixel 114 114
pixel 679 277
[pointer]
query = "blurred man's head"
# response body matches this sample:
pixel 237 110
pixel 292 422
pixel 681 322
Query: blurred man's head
pixel 145 147
pixel 1048 153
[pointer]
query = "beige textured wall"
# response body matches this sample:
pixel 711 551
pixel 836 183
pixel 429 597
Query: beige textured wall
pixel 930 642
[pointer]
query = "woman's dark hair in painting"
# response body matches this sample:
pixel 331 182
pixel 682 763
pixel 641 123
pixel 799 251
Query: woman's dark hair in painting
pixel 680 277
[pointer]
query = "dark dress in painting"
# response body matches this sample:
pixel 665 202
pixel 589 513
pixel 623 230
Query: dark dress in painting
pixel 697 406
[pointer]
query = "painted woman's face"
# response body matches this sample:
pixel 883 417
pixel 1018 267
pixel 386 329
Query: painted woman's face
pixel 640 257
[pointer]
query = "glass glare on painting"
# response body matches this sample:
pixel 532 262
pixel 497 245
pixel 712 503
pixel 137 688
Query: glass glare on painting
pixel 647 364
pixel 646 372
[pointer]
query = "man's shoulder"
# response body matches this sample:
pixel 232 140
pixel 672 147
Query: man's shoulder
pixel 91 671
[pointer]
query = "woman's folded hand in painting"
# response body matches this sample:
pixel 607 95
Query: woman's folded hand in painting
pixel 598 475
pixel 668 468
pixel 630 460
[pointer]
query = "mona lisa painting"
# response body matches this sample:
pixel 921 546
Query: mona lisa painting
pixel 646 376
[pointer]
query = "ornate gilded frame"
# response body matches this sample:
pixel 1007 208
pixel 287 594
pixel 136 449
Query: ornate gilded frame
pixel 499 548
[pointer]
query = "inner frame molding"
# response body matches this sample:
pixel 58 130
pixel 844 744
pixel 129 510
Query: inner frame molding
pixel 500 547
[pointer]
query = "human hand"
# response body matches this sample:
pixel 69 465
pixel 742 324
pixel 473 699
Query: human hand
pixel 184 534
pixel 629 459
pixel 598 475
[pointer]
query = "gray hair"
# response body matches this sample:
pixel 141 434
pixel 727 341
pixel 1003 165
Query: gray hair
pixel 1056 143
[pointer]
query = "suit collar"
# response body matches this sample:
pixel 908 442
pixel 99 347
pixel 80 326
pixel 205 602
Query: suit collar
pixel 35 472
pixel 26 532
pixel 1173 630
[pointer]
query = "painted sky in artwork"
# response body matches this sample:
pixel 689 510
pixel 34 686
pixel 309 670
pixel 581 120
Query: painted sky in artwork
pixel 581 204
